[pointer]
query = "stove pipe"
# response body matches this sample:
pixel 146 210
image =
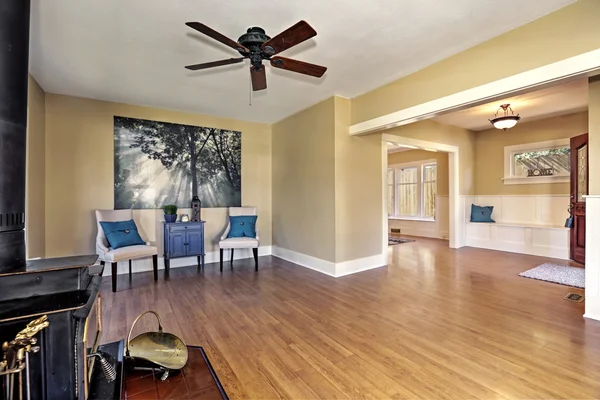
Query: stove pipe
pixel 14 67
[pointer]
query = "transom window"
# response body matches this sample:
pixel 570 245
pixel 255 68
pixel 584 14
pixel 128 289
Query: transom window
pixel 540 162
pixel 412 189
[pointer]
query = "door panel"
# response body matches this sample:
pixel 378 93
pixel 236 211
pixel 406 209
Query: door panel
pixel 194 240
pixel 177 245
pixel 579 189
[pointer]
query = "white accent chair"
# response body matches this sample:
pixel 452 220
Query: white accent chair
pixel 239 242
pixel 106 254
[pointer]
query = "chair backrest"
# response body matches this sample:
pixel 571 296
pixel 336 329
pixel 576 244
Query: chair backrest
pixel 246 210
pixel 110 216
pixel 236 211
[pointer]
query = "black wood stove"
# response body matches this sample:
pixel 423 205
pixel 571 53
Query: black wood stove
pixel 64 289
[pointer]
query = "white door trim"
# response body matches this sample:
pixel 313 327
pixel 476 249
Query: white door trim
pixel 456 223
pixel 587 64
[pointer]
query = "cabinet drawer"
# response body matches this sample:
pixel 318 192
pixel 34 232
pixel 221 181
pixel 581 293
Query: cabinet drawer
pixel 184 228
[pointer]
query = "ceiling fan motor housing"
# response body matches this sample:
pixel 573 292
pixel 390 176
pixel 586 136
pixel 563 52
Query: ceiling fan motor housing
pixel 252 40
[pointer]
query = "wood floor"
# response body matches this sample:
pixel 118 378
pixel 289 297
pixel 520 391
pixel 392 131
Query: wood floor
pixel 436 323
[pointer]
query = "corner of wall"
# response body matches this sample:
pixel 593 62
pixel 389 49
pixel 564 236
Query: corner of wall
pixel 35 210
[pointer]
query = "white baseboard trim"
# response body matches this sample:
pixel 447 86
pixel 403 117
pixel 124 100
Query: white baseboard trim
pixel 335 270
pixel 145 264
pixel 360 265
pixel 316 264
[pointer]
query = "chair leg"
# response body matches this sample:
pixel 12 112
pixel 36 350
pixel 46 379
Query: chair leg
pixel 155 266
pixel 114 276
pixel 231 261
pixel 129 269
pixel 255 252
pixel 221 258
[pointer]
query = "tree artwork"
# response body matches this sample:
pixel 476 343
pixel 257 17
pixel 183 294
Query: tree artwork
pixel 159 163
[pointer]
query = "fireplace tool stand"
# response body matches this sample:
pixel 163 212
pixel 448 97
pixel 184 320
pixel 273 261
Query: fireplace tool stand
pixel 16 358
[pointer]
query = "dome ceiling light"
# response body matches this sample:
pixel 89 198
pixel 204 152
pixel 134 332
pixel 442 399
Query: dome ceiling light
pixel 506 121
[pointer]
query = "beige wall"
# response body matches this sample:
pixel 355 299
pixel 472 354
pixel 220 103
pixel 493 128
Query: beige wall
pixel 327 193
pixel 79 172
pixel 446 134
pixel 35 178
pixel 594 135
pixel 489 153
pixel 303 182
pixel 358 190
pixel 422 155
pixel 565 33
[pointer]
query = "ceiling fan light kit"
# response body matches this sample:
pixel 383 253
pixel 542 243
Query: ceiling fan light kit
pixel 257 46
pixel 507 120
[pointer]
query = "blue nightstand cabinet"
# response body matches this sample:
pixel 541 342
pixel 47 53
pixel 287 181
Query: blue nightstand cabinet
pixel 183 239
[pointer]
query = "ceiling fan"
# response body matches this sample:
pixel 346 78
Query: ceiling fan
pixel 256 46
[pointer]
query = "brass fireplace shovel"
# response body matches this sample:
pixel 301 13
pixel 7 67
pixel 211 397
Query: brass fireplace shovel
pixel 161 350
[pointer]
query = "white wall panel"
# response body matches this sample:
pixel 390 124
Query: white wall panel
pixel 518 209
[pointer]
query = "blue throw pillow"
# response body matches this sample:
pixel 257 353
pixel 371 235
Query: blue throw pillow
pixel 121 233
pixel 242 226
pixel 481 214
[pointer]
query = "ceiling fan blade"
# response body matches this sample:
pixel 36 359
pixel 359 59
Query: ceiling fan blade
pixel 298 66
pixel 216 35
pixel 292 36
pixel 259 78
pixel 211 64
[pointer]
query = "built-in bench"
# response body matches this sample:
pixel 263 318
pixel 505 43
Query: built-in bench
pixel 535 239
pixel 543 235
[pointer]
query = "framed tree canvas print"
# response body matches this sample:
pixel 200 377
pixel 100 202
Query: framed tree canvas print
pixel 159 163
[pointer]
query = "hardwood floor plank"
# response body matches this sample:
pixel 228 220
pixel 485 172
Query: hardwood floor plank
pixel 435 323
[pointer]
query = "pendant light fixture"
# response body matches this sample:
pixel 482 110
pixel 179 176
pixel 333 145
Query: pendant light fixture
pixel 506 121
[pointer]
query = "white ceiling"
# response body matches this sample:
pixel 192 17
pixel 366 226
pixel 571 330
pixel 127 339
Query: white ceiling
pixel 549 102
pixel 135 51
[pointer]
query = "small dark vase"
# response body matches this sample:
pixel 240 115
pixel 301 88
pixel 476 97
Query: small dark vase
pixel 170 217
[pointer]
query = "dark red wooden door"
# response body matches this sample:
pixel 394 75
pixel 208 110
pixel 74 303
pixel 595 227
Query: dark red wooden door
pixel 579 189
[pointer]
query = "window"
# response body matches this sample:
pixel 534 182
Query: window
pixel 540 162
pixel 412 190
pixel 408 198
pixel 429 190
pixel 390 191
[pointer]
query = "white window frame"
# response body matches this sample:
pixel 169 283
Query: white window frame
pixel 393 189
pixel 420 165
pixel 509 166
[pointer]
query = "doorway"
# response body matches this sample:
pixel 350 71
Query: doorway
pixel 455 222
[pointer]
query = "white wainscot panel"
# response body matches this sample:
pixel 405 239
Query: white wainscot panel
pixel 467 201
pixel 552 210
pixel 479 231
pixel 509 234
pixel 518 209
pixel 550 238
pixel 537 241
